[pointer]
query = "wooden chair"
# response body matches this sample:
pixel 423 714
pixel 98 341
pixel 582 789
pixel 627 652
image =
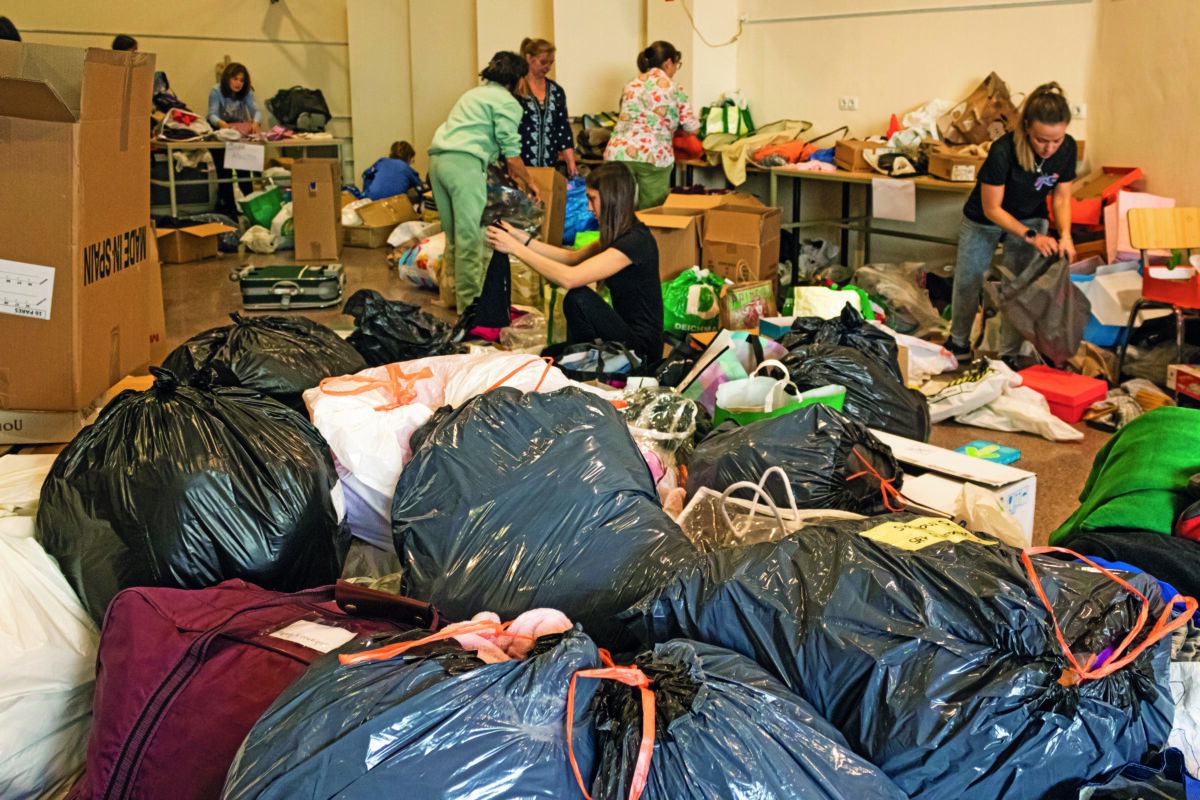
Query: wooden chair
pixel 1164 229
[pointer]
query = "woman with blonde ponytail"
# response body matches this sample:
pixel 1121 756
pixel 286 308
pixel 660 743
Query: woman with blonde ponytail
pixel 1023 167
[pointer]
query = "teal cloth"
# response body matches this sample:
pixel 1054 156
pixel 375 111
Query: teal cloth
pixel 1139 479
pixel 483 123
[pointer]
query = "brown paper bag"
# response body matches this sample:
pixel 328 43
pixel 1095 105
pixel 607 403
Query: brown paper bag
pixel 986 114
pixel 747 301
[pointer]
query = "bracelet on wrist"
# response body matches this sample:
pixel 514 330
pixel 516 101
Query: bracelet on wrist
pixel 530 239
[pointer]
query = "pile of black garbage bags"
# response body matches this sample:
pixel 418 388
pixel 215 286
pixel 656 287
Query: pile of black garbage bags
pixel 874 653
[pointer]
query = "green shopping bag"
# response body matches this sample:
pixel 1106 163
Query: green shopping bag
pixel 760 397
pixel 726 118
pixel 692 302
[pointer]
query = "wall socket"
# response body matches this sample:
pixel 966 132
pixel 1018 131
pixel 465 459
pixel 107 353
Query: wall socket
pixel 847 104
pixel 1078 110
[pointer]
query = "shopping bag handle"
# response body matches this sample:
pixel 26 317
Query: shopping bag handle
pixel 770 362
pixel 631 676
pixel 1163 627
pixel 759 494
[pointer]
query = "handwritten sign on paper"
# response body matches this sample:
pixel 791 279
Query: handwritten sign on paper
pixel 239 155
pixel 26 289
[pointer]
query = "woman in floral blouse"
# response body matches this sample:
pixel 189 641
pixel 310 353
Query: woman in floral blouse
pixel 545 128
pixel 653 106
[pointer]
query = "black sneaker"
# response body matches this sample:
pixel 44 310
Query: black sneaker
pixel 959 351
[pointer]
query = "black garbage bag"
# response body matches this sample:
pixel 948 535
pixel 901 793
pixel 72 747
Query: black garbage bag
pixel 186 487
pixel 513 502
pixel 280 357
pixel 875 396
pixel 848 330
pixel 388 331
pixel 831 461
pixel 930 650
pixel 435 722
pixel 724 728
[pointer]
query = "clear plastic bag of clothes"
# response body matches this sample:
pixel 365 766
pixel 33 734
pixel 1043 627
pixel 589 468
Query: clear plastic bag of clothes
pixel 713 519
pixel 526 331
pixel 514 207
pixel 910 310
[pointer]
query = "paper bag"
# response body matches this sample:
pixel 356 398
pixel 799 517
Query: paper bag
pixel 747 301
pixel 986 114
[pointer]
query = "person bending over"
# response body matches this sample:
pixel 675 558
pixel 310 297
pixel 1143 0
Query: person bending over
pixel 625 258
pixel 393 175
pixel 1009 202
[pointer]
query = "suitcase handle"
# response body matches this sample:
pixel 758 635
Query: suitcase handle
pixel 360 601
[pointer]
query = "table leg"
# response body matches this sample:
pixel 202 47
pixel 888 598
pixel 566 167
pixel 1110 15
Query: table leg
pixel 870 204
pixel 773 192
pixel 171 182
pixel 845 217
pixel 795 230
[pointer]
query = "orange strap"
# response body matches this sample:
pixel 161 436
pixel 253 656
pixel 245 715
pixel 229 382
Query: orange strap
pixel 885 484
pixel 482 627
pixel 549 362
pixel 398 384
pixel 631 676
pixel 1163 627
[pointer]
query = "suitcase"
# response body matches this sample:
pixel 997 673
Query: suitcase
pixel 183 675
pixel 285 286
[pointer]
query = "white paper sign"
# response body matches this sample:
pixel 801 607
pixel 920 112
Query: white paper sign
pixel 239 155
pixel 894 199
pixel 314 636
pixel 26 289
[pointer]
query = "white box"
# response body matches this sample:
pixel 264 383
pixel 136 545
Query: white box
pixel 944 471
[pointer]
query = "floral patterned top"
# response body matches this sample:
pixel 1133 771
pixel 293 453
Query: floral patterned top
pixel 652 107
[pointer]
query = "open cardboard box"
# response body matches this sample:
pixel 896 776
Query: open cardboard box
pixel 194 243
pixel 736 233
pixel 56 427
pixel 933 477
pixel 379 218
pixel 705 202
pixel 677 232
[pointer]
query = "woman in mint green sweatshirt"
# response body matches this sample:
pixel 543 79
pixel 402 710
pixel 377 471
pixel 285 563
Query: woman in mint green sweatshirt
pixel 481 126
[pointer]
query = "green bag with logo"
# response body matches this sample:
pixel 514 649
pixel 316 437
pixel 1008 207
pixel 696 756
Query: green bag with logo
pixel 692 302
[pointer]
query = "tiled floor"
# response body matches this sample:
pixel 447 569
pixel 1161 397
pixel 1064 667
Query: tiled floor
pixel 200 295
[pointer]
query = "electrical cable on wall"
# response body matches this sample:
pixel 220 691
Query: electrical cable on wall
pixel 692 20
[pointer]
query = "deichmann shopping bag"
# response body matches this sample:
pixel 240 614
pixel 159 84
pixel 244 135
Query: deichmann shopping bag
pixel 747 301
pixel 692 302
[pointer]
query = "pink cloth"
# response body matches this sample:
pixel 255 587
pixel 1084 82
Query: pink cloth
pixel 515 644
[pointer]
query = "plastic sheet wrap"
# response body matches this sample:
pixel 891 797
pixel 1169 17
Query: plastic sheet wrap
pixel 513 502
pixel 276 356
pixel 932 653
pixel 185 487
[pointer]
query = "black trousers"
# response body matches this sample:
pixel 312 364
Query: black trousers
pixel 590 318
pixel 495 297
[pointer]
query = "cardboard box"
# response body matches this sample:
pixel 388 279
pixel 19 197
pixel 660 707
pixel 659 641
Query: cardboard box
pixel 552 187
pixel 705 202
pixel 75 205
pixel 955 167
pixel 849 154
pixel 317 208
pixel 379 218
pixel 933 477
pixel 1185 379
pixel 1097 189
pixel 734 233
pixel 194 243
pixel 156 318
pixel 1068 395
pixel 678 233
pixel 51 427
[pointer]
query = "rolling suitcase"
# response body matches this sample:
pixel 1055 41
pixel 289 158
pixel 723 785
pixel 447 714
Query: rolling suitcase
pixel 285 286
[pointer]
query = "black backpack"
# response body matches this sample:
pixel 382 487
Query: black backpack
pixel 300 109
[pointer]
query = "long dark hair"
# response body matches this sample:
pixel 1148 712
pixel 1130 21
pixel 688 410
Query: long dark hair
pixel 656 55
pixel 1046 104
pixel 229 73
pixel 618 199
pixel 506 68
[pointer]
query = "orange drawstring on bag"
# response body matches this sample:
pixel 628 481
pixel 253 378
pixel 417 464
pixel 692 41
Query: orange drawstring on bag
pixel 549 363
pixel 631 676
pixel 1162 627
pixel 398 384
pixel 482 627
pixel 885 484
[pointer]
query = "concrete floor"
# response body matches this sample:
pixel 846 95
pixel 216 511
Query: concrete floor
pixel 200 295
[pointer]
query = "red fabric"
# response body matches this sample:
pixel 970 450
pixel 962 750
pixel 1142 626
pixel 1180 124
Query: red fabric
pixel 792 151
pixel 687 145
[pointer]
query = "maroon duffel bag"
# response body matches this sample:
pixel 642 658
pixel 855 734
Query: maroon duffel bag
pixel 183 675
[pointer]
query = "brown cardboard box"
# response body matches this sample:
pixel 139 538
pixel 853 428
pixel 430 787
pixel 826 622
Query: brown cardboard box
pixel 156 314
pixel 317 208
pixel 195 243
pixel 955 167
pixel 379 220
pixel 848 154
pixel 678 233
pixel 49 427
pixel 552 187
pixel 75 205
pixel 707 201
pixel 741 233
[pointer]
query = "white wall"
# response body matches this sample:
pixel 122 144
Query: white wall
pixel 502 26
pixel 597 50
pixel 707 72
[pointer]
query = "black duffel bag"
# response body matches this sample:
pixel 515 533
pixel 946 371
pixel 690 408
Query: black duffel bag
pixel 300 109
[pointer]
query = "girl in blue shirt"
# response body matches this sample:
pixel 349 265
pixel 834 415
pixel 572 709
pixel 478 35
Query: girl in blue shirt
pixel 232 100
pixel 391 176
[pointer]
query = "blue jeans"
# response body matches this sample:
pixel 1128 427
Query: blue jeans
pixel 976 246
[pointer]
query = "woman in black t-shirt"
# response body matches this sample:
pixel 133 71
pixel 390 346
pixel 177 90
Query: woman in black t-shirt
pixel 625 257
pixel 1009 202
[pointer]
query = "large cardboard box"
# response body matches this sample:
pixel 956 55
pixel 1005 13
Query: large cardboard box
pixel 955 166
pixel 75 232
pixel 194 243
pixel 379 218
pixel 317 208
pixel 678 234
pixel 736 233
pixel 55 427
pixel 705 202
pixel 850 154
pixel 552 187
pixel 156 318
pixel 933 477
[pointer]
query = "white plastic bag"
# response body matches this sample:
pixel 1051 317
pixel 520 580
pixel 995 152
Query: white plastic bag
pixel 925 359
pixel 283 230
pixel 974 389
pixel 259 239
pixel 517 370
pixel 47 649
pixel 350 211
pixel 1021 409
pixel 413 229
pixel 982 510
pixel 758 392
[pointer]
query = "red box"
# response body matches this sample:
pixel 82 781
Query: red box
pixel 1069 395
pixel 1180 293
pixel 1091 194
pixel 1184 379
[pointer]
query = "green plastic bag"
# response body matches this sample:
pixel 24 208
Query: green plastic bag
pixel 821 301
pixel 692 302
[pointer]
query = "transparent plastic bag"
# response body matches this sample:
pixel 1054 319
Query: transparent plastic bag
pixel 528 330
pixel 912 313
